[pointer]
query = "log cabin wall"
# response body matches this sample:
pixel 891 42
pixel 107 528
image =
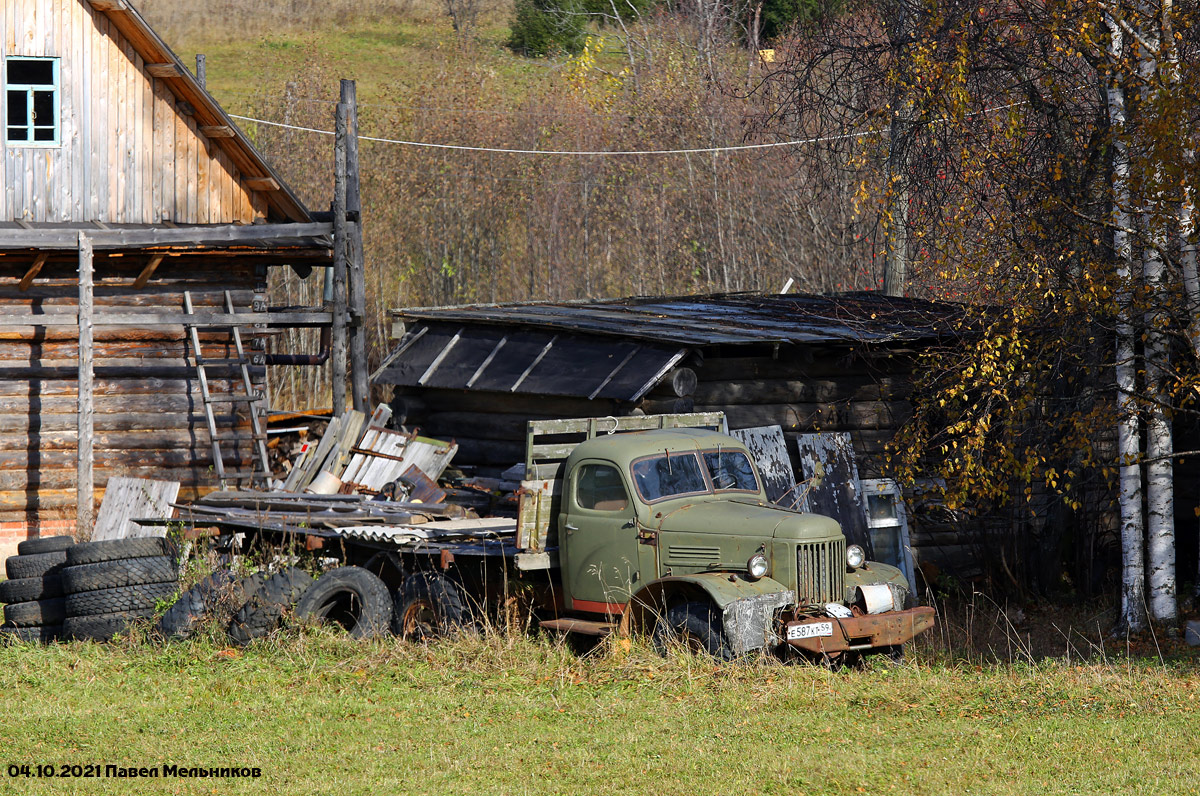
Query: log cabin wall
pixel 149 416
pixel 131 151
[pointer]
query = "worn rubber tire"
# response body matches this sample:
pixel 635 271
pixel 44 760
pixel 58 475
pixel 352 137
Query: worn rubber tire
pixel 35 612
pixel 38 634
pixel 116 549
pixel 695 625
pixel 264 610
pixel 35 565
pixel 197 603
pixel 22 590
pixel 352 597
pixel 143 596
pixel 122 572
pixel 429 605
pixel 45 544
pixel 102 627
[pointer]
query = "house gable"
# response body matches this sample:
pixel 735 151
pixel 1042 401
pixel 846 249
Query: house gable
pixel 139 141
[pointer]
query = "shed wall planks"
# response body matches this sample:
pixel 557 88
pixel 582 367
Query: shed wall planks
pixel 128 154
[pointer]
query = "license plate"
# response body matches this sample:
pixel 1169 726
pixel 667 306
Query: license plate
pixel 811 630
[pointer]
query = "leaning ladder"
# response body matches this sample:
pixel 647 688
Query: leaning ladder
pixel 249 396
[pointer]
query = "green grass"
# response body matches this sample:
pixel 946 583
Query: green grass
pixel 321 714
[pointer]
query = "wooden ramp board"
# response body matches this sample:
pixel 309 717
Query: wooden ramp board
pixel 127 499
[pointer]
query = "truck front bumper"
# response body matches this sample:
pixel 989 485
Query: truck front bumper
pixel 860 632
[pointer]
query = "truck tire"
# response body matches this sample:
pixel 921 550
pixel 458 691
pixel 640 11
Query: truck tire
pixel 23 590
pixel 38 634
pixel 352 597
pixel 696 626
pixel 197 603
pixel 139 597
pixel 45 544
pixel 429 605
pixel 264 609
pixel 115 574
pixel 35 612
pixel 35 565
pixel 117 549
pixel 102 627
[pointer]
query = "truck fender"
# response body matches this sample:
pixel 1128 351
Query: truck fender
pixel 747 607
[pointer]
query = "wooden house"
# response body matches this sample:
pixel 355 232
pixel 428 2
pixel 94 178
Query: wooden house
pixel 117 162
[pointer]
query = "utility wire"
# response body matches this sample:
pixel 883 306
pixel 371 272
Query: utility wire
pixel 603 152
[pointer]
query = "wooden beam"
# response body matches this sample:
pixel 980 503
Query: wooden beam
pixel 262 183
pixel 214 319
pixel 109 5
pixel 183 237
pixel 33 271
pixel 216 131
pixel 164 70
pixel 148 271
pixel 85 485
pixel 340 339
pixel 360 387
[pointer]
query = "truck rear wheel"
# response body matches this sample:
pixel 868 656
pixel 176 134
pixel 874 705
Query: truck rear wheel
pixel 696 626
pixel 429 605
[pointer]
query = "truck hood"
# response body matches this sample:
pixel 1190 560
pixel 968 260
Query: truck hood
pixel 743 517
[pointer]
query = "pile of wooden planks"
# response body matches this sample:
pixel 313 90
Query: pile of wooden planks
pixel 357 454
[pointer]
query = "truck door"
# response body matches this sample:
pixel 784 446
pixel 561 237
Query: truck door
pixel 598 544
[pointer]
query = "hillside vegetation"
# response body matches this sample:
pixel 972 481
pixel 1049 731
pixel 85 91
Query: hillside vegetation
pixel 449 227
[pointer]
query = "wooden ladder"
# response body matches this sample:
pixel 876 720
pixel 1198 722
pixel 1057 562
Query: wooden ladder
pixel 253 399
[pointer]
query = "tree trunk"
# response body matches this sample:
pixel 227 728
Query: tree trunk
pixel 1133 595
pixel 1160 494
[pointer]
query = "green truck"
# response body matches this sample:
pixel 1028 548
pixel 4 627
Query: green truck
pixel 660 525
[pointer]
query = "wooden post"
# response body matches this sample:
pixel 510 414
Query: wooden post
pixel 201 75
pixel 339 341
pixel 359 385
pixel 84 476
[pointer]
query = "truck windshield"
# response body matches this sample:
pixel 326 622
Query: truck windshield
pixel 730 471
pixel 660 477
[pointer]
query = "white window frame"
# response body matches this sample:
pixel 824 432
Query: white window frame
pixel 888 487
pixel 31 125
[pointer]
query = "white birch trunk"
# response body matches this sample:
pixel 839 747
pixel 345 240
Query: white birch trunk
pixel 1160 484
pixel 1187 206
pixel 1133 614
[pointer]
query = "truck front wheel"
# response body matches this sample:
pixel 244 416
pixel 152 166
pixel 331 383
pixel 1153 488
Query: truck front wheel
pixel 429 605
pixel 696 626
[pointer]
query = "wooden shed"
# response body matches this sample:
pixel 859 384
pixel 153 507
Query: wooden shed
pixel 132 206
pixel 806 363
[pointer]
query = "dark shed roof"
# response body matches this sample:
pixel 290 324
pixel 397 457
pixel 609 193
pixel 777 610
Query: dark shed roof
pixel 620 349
pixel 731 318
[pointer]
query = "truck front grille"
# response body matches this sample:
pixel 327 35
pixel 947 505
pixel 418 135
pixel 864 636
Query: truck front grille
pixel 821 572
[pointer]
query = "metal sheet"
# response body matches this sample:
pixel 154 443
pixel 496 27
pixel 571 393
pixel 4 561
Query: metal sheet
pixel 479 357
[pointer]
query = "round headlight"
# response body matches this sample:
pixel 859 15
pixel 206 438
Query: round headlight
pixel 756 567
pixel 855 556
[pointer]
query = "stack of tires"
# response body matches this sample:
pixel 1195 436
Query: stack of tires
pixel 350 597
pixel 33 594
pixel 111 584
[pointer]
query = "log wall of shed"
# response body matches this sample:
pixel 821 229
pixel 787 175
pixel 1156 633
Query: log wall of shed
pixel 130 151
pixel 149 415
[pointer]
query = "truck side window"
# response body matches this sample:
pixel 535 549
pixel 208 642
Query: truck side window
pixel 598 487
